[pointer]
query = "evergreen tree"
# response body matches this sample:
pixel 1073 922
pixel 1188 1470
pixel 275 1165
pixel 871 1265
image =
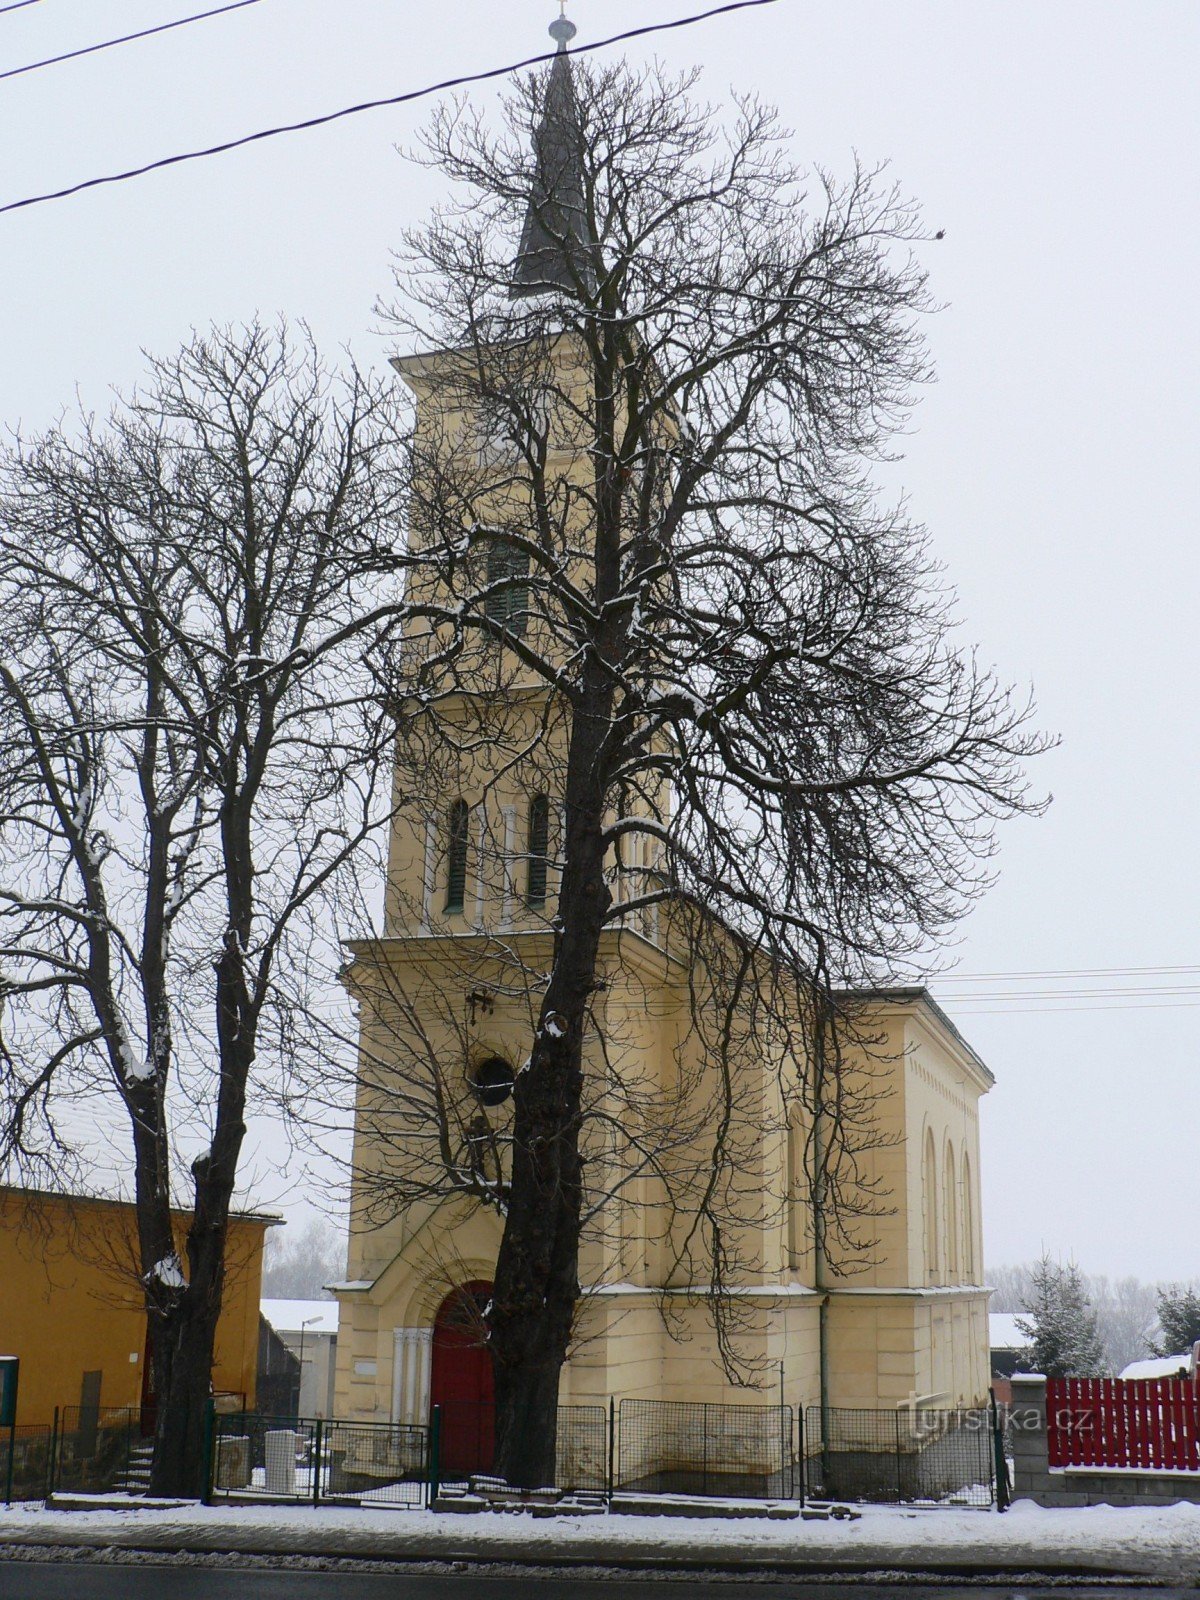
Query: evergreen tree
pixel 1178 1319
pixel 1064 1341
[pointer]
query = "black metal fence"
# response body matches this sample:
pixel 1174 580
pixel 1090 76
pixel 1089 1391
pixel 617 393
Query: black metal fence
pixel 316 1460
pixel 467 1444
pixel 912 1454
pixel 99 1450
pixel 25 1462
pixel 685 1447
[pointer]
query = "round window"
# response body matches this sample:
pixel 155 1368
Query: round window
pixel 493 1080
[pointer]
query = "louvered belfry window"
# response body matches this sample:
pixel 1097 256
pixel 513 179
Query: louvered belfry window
pixel 507 599
pixel 456 855
pixel 538 849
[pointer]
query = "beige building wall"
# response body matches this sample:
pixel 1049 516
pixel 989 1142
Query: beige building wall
pixel 903 1314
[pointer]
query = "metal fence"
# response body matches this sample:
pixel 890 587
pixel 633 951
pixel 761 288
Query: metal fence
pixel 99 1450
pixel 686 1447
pixel 650 1447
pixel 25 1462
pixel 467 1444
pixel 316 1460
pixel 913 1455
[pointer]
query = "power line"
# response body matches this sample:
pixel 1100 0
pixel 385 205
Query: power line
pixel 1069 972
pixel 17 5
pixel 374 105
pixel 126 38
pixel 1056 1011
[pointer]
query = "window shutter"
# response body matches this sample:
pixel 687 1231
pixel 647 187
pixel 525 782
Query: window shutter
pixel 508 587
pixel 539 849
pixel 456 856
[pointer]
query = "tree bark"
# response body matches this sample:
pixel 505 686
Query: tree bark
pixel 537 1269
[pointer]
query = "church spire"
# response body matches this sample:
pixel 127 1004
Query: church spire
pixel 553 253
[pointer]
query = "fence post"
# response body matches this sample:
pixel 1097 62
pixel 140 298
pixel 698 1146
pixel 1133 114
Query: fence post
pixel 207 1466
pixel 899 1469
pixel 612 1439
pixel 316 1468
pixel 12 1450
pixel 801 1458
pixel 1000 1464
pixel 53 1449
pixel 435 1455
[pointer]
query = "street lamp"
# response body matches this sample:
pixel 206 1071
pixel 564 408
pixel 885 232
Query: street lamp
pixel 307 1323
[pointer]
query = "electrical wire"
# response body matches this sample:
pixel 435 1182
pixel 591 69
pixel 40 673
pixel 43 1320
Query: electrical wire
pixel 126 38
pixel 1069 972
pixel 17 5
pixel 374 105
pixel 1056 1011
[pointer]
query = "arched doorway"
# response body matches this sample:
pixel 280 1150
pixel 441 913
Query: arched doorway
pixel 460 1381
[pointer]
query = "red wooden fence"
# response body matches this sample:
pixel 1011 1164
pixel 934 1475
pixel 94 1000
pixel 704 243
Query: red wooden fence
pixel 1152 1423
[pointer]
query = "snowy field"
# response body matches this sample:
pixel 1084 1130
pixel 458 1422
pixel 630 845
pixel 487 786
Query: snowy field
pixel 1158 1541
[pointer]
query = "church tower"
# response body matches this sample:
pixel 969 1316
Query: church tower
pixel 450 995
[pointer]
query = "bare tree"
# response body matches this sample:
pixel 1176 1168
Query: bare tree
pixel 189 766
pixel 651 577
pixel 299 1266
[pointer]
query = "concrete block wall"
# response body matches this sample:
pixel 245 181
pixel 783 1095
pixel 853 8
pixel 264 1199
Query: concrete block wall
pixel 1035 1479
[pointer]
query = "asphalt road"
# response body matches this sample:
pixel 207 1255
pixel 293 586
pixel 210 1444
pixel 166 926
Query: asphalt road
pixel 77 1580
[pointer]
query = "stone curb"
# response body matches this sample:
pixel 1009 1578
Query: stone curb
pixel 608 1550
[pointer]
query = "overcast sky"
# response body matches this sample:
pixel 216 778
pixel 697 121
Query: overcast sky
pixel 1055 461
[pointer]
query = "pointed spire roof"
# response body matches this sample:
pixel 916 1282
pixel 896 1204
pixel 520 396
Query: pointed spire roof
pixel 553 252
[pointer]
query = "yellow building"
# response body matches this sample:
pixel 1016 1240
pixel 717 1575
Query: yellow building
pixel 72 1311
pixel 448 998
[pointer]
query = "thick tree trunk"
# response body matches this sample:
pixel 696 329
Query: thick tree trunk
pixel 186 1360
pixel 537 1270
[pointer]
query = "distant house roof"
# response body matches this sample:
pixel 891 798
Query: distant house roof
pixel 82 1197
pixel 1003 1333
pixel 1157 1367
pixel 290 1316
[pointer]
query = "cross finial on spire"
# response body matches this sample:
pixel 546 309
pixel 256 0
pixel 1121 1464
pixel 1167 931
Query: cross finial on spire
pixel 562 29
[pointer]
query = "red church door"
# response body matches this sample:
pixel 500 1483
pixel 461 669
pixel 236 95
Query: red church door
pixel 460 1381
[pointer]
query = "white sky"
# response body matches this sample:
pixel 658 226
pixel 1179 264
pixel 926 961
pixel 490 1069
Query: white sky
pixel 1054 462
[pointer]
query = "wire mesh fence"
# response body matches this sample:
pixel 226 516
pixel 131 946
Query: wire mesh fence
pixel 100 1450
pixel 312 1459
pixel 913 1454
pixel 694 1448
pixel 467 1444
pixel 25 1462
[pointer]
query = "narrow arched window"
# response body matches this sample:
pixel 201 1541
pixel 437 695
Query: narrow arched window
pixel 968 1207
pixel 930 1197
pixel 538 851
pixel 507 598
pixel 950 1184
pixel 456 855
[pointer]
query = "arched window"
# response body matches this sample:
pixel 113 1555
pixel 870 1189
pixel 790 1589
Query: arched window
pixel 456 855
pixel 538 850
pixel 968 1209
pixel 950 1184
pixel 796 1211
pixel 930 1199
pixel 507 599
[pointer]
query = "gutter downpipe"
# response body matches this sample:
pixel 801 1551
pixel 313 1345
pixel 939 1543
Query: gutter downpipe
pixel 819 1283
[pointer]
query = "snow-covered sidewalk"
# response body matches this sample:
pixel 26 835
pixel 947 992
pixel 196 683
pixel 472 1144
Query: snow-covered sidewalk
pixel 1156 1541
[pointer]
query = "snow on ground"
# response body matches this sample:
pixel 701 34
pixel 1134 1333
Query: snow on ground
pixel 1163 1541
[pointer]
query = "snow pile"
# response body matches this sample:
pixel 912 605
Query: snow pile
pixel 1163 1541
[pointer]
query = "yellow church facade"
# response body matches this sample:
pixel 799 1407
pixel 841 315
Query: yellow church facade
pixel 906 1326
pixel 448 997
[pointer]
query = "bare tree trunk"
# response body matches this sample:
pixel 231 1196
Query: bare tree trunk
pixel 537 1270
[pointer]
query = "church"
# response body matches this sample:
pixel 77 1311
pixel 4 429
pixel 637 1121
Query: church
pixel 891 1316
